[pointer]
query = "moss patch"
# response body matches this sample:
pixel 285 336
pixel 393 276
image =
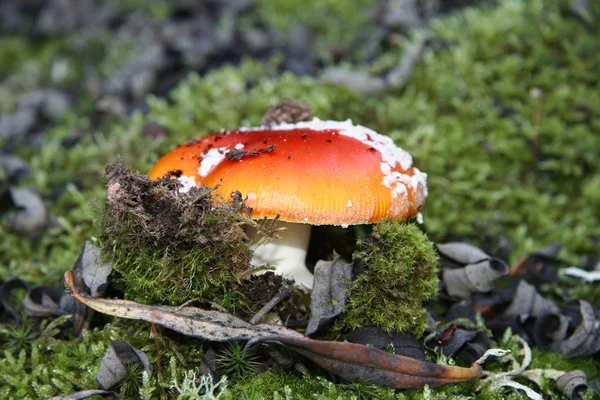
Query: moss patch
pixel 172 247
pixel 400 273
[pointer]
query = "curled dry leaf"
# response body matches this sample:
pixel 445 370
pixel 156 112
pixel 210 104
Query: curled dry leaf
pixel 527 301
pixel 585 339
pixel 478 277
pixel 572 384
pixel 353 362
pixel 478 273
pixel 113 367
pixel 43 301
pixel 328 296
pixel 462 253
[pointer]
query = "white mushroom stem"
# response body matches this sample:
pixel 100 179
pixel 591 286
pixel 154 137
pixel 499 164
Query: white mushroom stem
pixel 287 253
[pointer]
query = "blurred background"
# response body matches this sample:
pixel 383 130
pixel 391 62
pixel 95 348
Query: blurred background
pixel 498 101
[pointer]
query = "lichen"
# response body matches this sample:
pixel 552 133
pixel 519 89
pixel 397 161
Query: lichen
pixel 400 273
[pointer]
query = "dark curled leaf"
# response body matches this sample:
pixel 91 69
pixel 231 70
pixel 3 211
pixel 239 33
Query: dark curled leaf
pixel 43 301
pixel 92 274
pixel 550 328
pixel 466 344
pixel 86 394
pixel 5 291
pixel 329 293
pixel 403 344
pixel 585 339
pixel 462 253
pixel 119 354
pixel 92 270
pixel 539 267
pixel 452 339
pixel 527 301
pixel 477 277
pixel 572 384
pixel 351 361
pixel 359 363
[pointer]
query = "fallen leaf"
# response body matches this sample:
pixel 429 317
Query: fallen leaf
pixel 585 339
pixel 572 384
pixel 462 253
pixel 86 394
pixel 328 296
pixel 113 366
pixel 43 301
pixel 358 363
pixel 353 362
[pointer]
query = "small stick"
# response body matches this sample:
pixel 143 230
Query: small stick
pixel 158 360
pixel 284 291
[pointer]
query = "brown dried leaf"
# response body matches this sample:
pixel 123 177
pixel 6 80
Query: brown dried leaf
pixel 351 361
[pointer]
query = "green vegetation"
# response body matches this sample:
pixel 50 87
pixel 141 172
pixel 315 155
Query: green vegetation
pixel 44 364
pixel 400 274
pixel 341 26
pixel 173 247
pixel 501 162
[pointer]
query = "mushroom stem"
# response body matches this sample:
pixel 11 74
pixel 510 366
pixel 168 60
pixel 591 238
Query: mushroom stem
pixel 287 253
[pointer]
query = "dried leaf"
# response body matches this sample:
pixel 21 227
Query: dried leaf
pixel 527 301
pixel 86 394
pixel 92 274
pixel 113 366
pixel 476 277
pixel 572 384
pixel 462 253
pixel 585 340
pixel 350 361
pixel 43 301
pixel 328 297
pixel 190 321
pixel 93 271
pixel 358 363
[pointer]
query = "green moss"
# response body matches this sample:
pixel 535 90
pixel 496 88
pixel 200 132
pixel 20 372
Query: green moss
pixel 50 366
pixel 467 116
pixel 334 24
pixel 400 274
pixel 500 161
pixel 548 360
pixel 172 247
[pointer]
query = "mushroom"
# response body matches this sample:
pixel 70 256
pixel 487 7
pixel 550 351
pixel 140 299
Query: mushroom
pixel 309 173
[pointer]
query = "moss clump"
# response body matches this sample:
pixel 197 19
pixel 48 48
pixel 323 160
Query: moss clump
pixel 48 365
pixel 400 273
pixel 171 247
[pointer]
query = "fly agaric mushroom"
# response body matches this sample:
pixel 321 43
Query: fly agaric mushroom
pixel 309 173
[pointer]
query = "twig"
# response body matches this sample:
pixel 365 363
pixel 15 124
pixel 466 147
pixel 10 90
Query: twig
pixel 158 360
pixel 284 291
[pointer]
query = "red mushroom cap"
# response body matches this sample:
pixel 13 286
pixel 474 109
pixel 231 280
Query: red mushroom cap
pixel 316 172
